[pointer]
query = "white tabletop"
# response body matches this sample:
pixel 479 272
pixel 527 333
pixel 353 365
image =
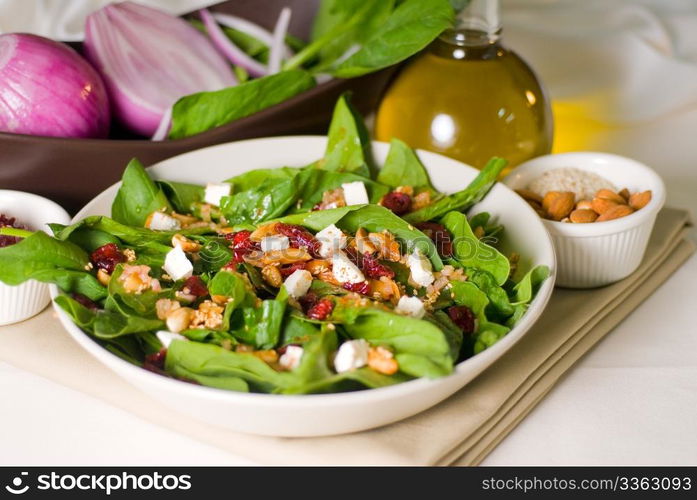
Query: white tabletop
pixel 632 400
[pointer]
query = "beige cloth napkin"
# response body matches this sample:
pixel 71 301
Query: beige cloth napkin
pixel 461 430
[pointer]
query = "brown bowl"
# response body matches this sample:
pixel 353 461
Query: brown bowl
pixel 73 171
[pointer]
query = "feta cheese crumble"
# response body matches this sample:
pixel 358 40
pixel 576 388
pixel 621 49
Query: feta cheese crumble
pixel 355 193
pixel 344 270
pixel 215 192
pixel 290 359
pixel 352 354
pixel 159 221
pixel 177 265
pixel 410 306
pixel 420 268
pixel 331 239
pixel 298 283
pixel 166 337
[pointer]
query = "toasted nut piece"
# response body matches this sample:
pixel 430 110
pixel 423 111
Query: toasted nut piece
pixel 285 256
pixel 130 255
pixel 388 247
pixel 267 356
pixel 549 197
pixel 601 205
pixel 334 198
pixel 405 189
pixel 639 200
pixel 244 348
pixel 136 279
pixel 562 205
pixel 103 277
pixel 608 194
pixel 272 276
pixel 363 244
pixel 164 307
pixel 421 200
pixel 179 319
pixel 185 220
pixel 318 266
pixel 384 289
pixel 185 243
pixel 625 194
pixel 263 231
pixel 382 361
pixel 209 315
pixel 221 300
pixel 479 232
pixel 584 205
pixel 615 213
pixel 328 277
pixel 528 195
pixel 583 216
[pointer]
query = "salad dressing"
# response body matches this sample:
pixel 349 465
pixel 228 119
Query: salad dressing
pixel 469 97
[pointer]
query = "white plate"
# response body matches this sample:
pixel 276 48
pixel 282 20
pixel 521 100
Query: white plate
pixel 324 414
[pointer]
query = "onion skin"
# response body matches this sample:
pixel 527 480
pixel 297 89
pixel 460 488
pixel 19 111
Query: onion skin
pixel 48 89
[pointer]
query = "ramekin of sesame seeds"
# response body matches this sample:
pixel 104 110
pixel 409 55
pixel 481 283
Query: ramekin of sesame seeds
pixel 599 209
pixel 21 213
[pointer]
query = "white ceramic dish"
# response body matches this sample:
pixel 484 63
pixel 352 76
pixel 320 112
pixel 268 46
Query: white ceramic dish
pixel 314 415
pixel 597 254
pixel 21 302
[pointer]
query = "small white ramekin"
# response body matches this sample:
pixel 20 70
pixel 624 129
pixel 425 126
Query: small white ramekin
pixel 21 302
pixel 598 253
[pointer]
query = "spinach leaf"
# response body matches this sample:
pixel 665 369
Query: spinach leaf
pixel 81 316
pixel 466 293
pixel 470 251
pixel 403 168
pixel 410 28
pixel 268 201
pixel 421 348
pixel 137 197
pixel 462 200
pixel 527 287
pixel 348 141
pixel 232 284
pixel 203 111
pixel 500 306
pixel 312 183
pixel 263 325
pixel 253 178
pixel 488 334
pixel 49 260
pixel 182 196
pixel 110 324
pixel 320 219
pixel 216 367
pixel 374 218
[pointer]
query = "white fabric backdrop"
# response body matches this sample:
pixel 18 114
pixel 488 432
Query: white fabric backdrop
pixel 628 64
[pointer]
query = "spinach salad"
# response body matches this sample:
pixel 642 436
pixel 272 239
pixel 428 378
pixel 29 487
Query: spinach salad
pixel 333 277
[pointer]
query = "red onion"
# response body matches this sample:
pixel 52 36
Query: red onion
pixel 251 29
pixel 149 59
pixel 278 44
pixel 47 89
pixel 230 50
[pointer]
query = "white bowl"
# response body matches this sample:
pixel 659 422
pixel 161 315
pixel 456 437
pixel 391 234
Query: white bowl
pixel 323 414
pixel 599 253
pixel 21 302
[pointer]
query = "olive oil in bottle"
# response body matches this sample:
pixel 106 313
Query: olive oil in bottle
pixel 468 97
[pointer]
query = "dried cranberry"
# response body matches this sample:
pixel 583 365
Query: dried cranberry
pixel 440 236
pixel 195 286
pixel 308 300
pixel 463 317
pixel 291 268
pixel 241 245
pixel 107 257
pixel 373 268
pixel 363 287
pixel 156 362
pixel 299 237
pixel 399 203
pixel 85 301
pixel 6 241
pixel 321 310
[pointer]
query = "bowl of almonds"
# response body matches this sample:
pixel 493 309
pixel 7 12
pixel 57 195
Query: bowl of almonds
pixel 599 209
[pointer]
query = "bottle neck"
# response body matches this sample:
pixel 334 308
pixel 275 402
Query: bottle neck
pixel 478 24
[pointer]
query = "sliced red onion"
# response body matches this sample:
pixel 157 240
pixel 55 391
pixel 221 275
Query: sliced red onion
pixel 234 54
pixel 47 89
pixel 164 126
pixel 251 29
pixel 149 59
pixel 279 37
